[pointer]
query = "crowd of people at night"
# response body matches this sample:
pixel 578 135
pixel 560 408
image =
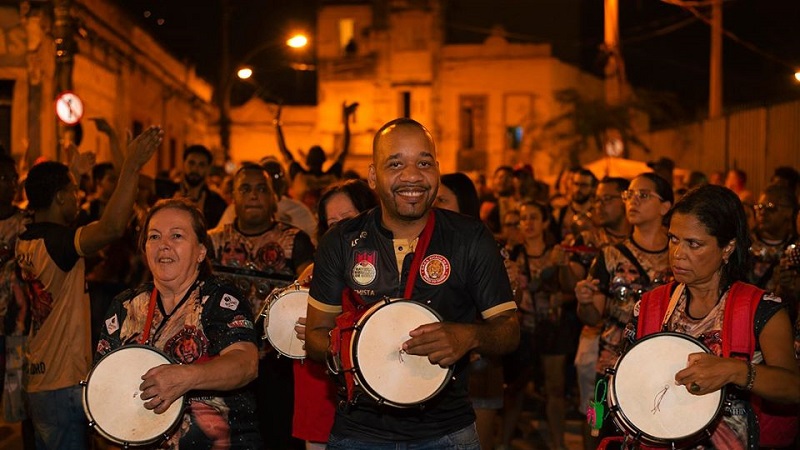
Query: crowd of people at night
pixel 531 290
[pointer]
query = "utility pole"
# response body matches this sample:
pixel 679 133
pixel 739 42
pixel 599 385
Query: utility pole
pixel 615 81
pixel 223 85
pixel 715 69
pixel 615 66
pixel 66 47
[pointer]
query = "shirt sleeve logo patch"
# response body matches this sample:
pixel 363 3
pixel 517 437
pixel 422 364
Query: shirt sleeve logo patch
pixel 364 271
pixel 112 324
pixel 229 302
pixel 435 269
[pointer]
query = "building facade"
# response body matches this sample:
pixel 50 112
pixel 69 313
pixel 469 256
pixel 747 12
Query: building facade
pixel 485 103
pixel 120 73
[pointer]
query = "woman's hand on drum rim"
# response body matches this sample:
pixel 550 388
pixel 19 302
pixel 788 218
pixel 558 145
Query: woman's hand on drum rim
pixel 163 385
pixel 706 373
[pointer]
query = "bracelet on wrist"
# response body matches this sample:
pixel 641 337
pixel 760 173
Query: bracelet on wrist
pixel 751 377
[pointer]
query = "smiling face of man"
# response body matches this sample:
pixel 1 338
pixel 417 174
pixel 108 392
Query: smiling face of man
pixel 404 172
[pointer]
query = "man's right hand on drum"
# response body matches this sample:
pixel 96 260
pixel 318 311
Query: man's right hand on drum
pixel 444 343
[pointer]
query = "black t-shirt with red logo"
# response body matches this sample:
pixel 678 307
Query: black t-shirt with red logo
pixel 461 275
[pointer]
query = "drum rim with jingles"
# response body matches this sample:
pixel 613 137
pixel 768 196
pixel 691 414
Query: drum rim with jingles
pixel 446 373
pixel 629 426
pixel 273 299
pixel 174 412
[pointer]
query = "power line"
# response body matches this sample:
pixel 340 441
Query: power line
pixel 662 31
pixel 640 28
pixel 690 6
pixel 485 31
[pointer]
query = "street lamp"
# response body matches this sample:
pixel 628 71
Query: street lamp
pixel 297 41
pixel 244 73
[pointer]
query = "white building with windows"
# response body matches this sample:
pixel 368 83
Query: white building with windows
pixel 484 103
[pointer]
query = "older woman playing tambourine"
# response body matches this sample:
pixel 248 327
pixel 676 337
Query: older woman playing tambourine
pixel 203 325
pixel 708 245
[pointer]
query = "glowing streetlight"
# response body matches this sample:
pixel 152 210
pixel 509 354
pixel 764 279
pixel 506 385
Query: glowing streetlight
pixel 244 73
pixel 297 41
pixel 797 75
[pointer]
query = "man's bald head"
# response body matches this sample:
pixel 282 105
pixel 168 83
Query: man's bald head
pixel 404 124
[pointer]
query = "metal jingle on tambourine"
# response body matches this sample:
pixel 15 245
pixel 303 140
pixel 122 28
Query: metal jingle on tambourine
pixel 792 255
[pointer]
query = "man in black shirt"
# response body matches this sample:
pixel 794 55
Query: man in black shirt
pixel 450 262
pixel 197 161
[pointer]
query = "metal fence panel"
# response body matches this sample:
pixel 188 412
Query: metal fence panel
pixel 755 140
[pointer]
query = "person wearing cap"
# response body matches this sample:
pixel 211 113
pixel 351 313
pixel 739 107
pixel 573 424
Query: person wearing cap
pixel 289 210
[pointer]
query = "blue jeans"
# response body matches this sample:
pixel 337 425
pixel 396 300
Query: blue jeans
pixel 58 419
pixel 464 439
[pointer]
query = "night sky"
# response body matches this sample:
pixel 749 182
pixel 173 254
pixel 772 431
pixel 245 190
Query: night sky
pixel 665 48
pixel 191 30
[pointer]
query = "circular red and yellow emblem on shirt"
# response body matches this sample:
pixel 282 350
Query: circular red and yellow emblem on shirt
pixel 435 269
